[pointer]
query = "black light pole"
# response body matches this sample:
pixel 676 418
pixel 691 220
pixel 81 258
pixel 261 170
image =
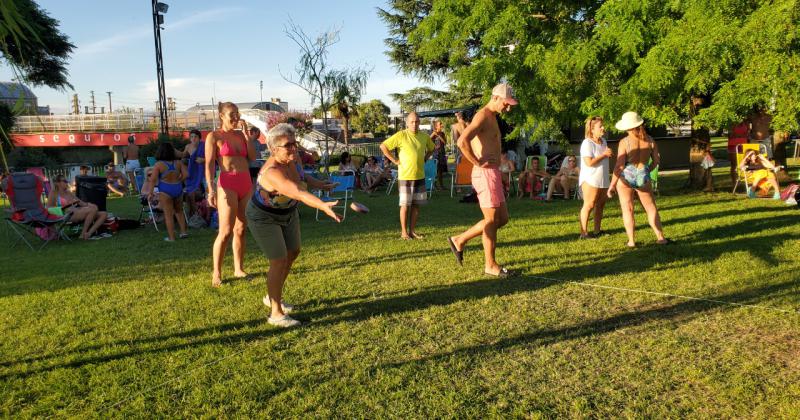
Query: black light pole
pixel 158 20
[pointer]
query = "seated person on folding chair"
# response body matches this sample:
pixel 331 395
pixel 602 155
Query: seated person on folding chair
pixel 168 175
pixel 760 169
pixel 507 166
pixel 117 181
pixel 531 181
pixel 374 174
pixel 566 179
pixel 76 210
pixel 149 200
pixel 346 164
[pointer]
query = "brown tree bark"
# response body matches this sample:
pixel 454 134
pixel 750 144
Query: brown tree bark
pixel 779 140
pixel 701 141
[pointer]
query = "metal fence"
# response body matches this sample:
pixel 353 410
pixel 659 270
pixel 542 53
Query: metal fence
pixel 83 122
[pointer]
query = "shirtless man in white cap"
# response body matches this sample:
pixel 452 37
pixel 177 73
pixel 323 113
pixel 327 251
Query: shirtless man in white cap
pixel 480 144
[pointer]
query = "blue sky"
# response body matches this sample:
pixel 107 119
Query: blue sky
pixel 209 46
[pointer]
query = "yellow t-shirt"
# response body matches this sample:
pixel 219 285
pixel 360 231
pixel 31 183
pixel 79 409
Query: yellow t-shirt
pixel 413 148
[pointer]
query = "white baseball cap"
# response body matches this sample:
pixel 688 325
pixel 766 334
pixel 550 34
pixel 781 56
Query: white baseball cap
pixel 504 91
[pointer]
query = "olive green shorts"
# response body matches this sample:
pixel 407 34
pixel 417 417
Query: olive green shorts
pixel 275 234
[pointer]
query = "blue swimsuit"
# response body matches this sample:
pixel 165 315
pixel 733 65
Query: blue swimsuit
pixel 173 190
pixel 636 177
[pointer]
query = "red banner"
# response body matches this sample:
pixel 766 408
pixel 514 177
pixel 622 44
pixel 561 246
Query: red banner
pixel 90 139
pixel 97 139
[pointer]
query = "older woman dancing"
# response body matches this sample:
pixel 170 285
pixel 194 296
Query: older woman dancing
pixel 632 175
pixel 273 219
pixel 231 150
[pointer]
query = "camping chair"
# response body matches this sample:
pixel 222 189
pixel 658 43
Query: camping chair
pixel 528 160
pixel 39 172
pixel 542 162
pixel 746 177
pixel 462 177
pixel 342 192
pixel 392 181
pixel 654 180
pixel 27 211
pixel 430 176
pixel 151 209
pixel 575 192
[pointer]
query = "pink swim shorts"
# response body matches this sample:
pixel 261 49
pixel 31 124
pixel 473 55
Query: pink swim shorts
pixel 488 183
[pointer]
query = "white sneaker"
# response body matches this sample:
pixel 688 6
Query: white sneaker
pixel 287 308
pixel 284 322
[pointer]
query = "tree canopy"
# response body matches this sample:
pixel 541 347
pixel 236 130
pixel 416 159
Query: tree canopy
pixel 372 117
pixel 714 61
pixel 32 43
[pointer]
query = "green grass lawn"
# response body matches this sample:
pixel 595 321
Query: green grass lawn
pixel 130 326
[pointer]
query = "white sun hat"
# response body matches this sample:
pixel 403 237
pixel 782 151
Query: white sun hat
pixel 629 120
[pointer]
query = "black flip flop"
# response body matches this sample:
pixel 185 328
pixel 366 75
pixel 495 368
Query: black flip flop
pixel 459 254
pixel 667 241
pixel 502 274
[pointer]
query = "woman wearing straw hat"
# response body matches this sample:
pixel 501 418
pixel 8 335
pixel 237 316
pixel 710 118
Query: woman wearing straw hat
pixel 632 168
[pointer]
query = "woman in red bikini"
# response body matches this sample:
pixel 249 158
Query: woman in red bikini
pixel 228 148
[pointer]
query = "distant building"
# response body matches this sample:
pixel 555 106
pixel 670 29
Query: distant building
pixel 12 92
pixel 266 106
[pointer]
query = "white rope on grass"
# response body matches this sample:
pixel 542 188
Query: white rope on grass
pixel 648 292
pixel 579 283
pixel 178 377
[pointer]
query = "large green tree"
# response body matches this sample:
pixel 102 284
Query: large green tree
pixel 372 117
pixel 713 62
pixel 35 49
pixel 32 43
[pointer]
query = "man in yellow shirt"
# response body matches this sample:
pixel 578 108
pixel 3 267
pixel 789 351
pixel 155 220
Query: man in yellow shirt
pixel 414 148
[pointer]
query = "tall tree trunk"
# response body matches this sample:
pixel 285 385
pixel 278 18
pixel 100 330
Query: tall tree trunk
pixel 701 141
pixel 779 140
pixel 346 132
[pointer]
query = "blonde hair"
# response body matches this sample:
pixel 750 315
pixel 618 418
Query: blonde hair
pixel 590 125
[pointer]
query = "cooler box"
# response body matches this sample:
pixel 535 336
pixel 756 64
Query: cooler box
pixel 92 189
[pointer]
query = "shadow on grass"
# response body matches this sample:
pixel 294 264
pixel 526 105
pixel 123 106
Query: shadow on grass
pixel 606 325
pixel 351 312
pixel 703 247
pixel 691 251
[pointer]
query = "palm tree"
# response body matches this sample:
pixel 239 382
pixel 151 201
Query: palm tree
pixel 347 88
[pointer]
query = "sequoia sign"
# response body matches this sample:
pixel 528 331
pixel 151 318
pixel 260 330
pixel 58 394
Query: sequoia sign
pixel 89 139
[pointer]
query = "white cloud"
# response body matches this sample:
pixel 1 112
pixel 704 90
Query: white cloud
pixel 145 31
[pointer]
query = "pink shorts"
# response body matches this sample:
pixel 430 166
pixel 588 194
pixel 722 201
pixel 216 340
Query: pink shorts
pixel 488 183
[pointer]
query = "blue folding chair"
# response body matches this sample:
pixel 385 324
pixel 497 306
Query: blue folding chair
pixel 430 176
pixel 342 192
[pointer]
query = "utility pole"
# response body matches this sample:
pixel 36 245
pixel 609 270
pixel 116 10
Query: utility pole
pixel 261 87
pixel 94 107
pixel 158 20
pixel 109 101
pixel 75 108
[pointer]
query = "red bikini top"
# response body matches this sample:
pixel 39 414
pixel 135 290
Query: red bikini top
pixel 227 150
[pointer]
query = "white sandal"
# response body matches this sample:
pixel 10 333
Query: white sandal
pixel 287 308
pixel 284 322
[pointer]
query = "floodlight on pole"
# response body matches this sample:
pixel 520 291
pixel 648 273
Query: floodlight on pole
pixel 158 20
